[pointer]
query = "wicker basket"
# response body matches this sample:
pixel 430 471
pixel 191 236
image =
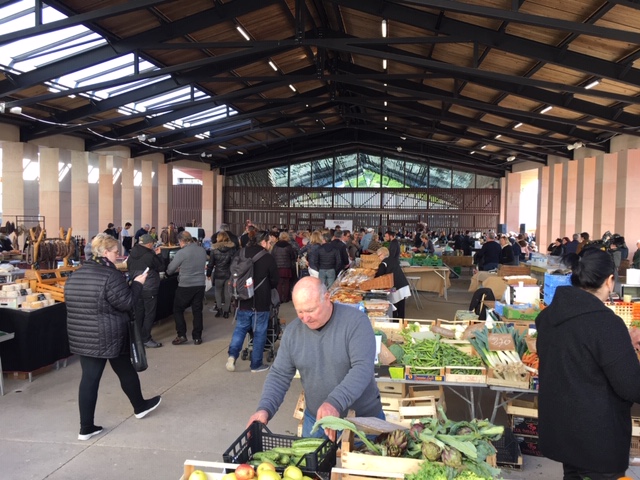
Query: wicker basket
pixel 379 283
pixel 370 261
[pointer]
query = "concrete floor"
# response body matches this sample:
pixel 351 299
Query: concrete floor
pixel 204 409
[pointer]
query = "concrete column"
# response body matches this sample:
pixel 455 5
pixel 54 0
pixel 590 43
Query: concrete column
pixel 50 188
pixel 209 202
pixel 80 194
pixel 513 186
pixel 149 193
pixel 542 230
pixel 219 200
pixel 105 191
pixel 127 203
pixel 165 194
pixel 555 202
pixel 605 194
pixel 569 199
pixel 13 185
pixel 628 197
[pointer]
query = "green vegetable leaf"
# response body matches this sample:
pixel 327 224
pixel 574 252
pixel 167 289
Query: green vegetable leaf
pixel 466 448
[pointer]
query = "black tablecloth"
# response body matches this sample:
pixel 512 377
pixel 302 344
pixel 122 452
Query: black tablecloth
pixel 166 292
pixel 41 337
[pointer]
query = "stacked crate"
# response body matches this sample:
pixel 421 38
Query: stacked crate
pixel 523 417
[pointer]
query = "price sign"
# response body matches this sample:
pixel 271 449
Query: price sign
pixel 47 275
pixel 65 273
pixel 3 279
pixel 501 341
pixel 470 331
pixel 23 291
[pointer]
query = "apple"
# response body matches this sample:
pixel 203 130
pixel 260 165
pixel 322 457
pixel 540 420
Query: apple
pixel 293 472
pixel 198 475
pixel 245 472
pixel 229 476
pixel 265 466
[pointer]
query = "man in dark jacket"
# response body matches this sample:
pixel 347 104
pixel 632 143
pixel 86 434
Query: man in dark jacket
pixel 340 246
pixel 325 260
pixel 394 244
pixel 488 258
pixel 253 313
pixel 142 231
pixel 143 255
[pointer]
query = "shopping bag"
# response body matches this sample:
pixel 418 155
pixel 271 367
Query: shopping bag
pixel 208 284
pixel 136 348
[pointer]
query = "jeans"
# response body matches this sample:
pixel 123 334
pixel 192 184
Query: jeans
pixel 92 369
pixel 247 320
pixel 222 294
pixel 185 297
pixel 309 421
pixel 327 277
pixel 145 315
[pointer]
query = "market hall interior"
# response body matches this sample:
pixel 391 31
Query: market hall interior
pixel 204 409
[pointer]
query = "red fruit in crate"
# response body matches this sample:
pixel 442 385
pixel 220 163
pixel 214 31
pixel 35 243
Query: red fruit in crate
pixel 245 472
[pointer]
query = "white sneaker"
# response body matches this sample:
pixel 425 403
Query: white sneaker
pixel 231 364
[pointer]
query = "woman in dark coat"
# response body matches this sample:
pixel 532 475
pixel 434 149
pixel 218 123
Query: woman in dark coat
pixel 507 257
pixel 400 282
pixel 589 374
pixel 285 257
pixel 220 255
pixel 98 301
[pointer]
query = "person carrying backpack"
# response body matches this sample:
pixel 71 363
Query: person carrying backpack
pixel 252 311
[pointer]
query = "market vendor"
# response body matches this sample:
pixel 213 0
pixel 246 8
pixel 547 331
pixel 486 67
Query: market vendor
pixel 333 347
pixel 401 289
pixel 589 374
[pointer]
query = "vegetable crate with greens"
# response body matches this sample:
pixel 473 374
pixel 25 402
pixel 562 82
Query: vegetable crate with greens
pixel 431 357
pixel 457 447
pixel 257 444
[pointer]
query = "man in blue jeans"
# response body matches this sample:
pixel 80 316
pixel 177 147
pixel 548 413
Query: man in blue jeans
pixel 333 347
pixel 253 314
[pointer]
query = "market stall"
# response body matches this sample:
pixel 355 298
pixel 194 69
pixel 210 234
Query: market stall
pixel 431 279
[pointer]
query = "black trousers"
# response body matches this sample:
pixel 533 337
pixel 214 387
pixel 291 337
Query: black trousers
pixel 575 473
pixel 400 308
pixel 145 314
pixel 92 369
pixel 185 297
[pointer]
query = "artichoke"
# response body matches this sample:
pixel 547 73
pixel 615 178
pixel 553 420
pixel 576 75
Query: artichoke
pixel 396 443
pixel 451 457
pixel 415 430
pixel 431 451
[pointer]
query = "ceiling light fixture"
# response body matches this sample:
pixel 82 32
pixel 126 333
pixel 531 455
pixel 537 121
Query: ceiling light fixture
pixel 16 110
pixel 403 138
pixel 483 147
pixel 293 89
pixel 384 28
pixel 152 140
pixel 511 158
pixel 497 136
pixel 472 152
pixel 386 118
pixel 575 146
pixel 2 107
pixel 384 64
pixel 222 147
pixel 518 125
pixel 243 33
pixel 273 65
pixel 589 86
pixel 240 152
pixel 142 137
pixel 546 109
pixel 385 103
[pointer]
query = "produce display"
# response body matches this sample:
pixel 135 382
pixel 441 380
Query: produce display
pixel 434 353
pixel 506 364
pixel 288 456
pixel 459 446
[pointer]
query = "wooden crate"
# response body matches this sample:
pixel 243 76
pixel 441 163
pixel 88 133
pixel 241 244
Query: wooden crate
pixel 351 474
pixel 360 461
pixel 523 384
pixel 391 329
pixel 475 375
pixel 298 412
pixel 213 470
pixel 432 374
pixel 521 408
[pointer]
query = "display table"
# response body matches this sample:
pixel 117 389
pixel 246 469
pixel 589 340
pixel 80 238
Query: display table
pixel 432 279
pixel 40 338
pixel 4 336
pixel 457 260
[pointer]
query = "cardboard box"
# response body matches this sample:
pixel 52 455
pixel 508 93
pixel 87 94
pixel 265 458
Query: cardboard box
pixel 520 312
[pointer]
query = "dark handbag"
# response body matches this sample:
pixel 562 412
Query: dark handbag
pixel 136 348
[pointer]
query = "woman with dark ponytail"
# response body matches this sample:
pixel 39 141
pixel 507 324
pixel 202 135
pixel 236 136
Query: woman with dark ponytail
pixel 589 374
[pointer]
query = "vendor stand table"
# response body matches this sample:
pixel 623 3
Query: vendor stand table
pixel 469 396
pixel 40 338
pixel 432 279
pixel 4 336
pixel 498 402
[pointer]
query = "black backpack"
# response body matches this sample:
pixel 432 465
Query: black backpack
pixel 241 269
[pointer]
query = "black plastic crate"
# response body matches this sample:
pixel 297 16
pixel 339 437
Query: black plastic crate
pixel 258 438
pixel 508 449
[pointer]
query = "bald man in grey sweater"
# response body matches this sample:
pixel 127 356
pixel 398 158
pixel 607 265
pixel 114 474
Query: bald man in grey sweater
pixel 333 347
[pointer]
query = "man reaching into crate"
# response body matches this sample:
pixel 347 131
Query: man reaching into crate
pixel 333 347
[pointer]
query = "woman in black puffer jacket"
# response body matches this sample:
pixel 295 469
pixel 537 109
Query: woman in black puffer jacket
pixel 98 301
pixel 285 257
pixel 222 251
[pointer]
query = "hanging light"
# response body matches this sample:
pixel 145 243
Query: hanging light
pixel 384 28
